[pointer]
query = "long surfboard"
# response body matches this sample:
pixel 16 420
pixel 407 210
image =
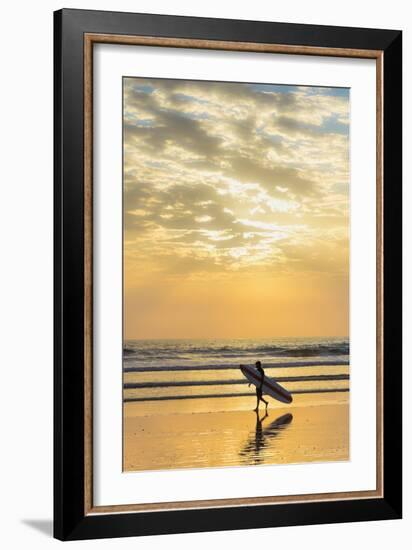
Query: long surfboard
pixel 269 387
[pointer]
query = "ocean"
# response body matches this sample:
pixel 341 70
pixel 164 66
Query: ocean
pixel 176 370
pixel 187 405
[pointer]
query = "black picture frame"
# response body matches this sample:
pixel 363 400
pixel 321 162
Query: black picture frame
pixel 71 522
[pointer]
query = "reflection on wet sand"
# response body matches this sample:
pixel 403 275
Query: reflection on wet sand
pixel 197 439
pixel 251 452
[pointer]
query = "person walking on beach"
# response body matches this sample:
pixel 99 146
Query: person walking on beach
pixel 259 389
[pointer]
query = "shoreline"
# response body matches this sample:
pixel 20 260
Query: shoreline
pixel 230 404
pixel 178 439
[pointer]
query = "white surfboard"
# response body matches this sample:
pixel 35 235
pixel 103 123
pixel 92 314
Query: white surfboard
pixel 269 387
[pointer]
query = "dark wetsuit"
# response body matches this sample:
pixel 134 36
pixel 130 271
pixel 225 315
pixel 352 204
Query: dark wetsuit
pixel 259 390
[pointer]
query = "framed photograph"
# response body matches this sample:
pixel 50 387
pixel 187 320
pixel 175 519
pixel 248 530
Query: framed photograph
pixel 227 274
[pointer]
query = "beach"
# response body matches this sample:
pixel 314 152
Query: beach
pixel 301 432
pixel 187 404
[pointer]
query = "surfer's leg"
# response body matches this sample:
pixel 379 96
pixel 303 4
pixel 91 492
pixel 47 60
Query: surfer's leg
pixel 257 402
pixel 265 402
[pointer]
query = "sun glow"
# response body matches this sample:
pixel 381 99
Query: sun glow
pixel 235 210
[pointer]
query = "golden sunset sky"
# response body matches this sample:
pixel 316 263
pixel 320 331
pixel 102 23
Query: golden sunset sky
pixel 236 210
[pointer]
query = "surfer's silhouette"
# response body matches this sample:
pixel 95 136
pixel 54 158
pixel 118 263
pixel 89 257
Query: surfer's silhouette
pixel 259 389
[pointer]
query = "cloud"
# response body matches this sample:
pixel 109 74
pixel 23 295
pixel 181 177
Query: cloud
pixel 227 177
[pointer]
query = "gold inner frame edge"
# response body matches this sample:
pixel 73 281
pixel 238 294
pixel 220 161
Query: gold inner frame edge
pixel 89 40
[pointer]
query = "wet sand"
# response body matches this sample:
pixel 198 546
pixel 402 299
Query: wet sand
pixel 184 435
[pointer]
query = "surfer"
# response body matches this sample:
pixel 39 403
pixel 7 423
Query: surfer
pixel 256 375
pixel 259 390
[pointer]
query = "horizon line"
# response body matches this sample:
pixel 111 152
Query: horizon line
pixel 237 338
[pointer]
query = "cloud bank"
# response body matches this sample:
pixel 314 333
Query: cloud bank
pixel 222 178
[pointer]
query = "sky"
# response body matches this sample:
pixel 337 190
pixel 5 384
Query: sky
pixel 236 210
